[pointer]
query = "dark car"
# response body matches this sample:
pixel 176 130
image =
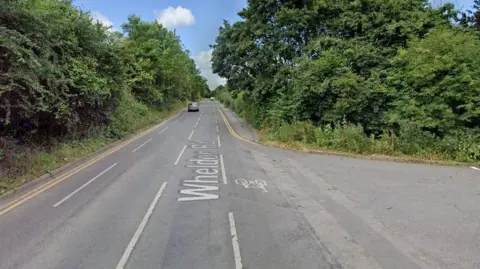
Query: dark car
pixel 194 106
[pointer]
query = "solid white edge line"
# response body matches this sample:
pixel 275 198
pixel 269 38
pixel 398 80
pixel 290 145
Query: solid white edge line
pixel 475 168
pixel 222 165
pixel 236 246
pixel 163 130
pixel 142 145
pixel 191 134
pixel 128 251
pixel 218 140
pixel 83 186
pixel 180 155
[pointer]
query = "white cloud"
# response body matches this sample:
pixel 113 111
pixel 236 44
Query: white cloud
pixel 99 17
pixel 203 63
pixel 175 16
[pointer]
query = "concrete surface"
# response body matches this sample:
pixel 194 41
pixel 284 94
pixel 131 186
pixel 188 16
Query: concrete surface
pixel 213 201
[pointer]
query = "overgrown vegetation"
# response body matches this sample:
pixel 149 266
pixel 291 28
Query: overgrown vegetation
pixel 396 77
pixel 68 82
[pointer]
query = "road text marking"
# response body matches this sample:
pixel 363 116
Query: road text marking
pixel 142 145
pixel 205 165
pixel 252 184
pixel 222 165
pixel 141 227
pixel 163 130
pixel 180 155
pixel 191 134
pixel 236 246
pixel 83 186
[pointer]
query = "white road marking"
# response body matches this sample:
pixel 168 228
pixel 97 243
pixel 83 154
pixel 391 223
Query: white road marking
pixel 191 134
pixel 83 186
pixel 222 165
pixel 175 122
pixel 142 145
pixel 123 261
pixel 236 246
pixel 218 140
pixel 163 130
pixel 199 193
pixel 217 128
pixel 252 184
pixel 475 168
pixel 180 155
pixel 195 125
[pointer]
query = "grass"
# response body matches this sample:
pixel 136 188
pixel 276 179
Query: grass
pixel 350 140
pixel 22 164
pixel 414 145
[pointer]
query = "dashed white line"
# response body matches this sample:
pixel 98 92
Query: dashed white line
pixel 175 122
pixel 142 145
pixel 83 186
pixel 222 165
pixel 217 128
pixel 180 155
pixel 191 134
pixel 218 141
pixel 195 125
pixel 475 168
pixel 236 246
pixel 123 261
pixel 163 130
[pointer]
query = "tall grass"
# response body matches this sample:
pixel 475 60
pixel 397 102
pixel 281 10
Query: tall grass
pixel 346 137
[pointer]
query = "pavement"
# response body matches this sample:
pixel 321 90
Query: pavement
pixel 189 194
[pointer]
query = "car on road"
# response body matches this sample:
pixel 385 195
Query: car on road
pixel 212 98
pixel 193 106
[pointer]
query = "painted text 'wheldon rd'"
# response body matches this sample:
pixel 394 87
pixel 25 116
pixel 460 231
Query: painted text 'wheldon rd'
pixel 206 170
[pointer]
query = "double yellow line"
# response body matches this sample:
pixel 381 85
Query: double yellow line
pixel 230 129
pixel 22 199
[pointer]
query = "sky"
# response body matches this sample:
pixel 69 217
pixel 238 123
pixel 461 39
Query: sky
pixel 195 21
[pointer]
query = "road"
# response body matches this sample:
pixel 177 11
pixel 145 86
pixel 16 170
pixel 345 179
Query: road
pixel 188 194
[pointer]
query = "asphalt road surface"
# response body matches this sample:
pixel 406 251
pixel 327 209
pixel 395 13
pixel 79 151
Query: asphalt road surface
pixel 187 194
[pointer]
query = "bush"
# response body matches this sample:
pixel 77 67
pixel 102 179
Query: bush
pixel 295 132
pixel 459 146
pixel 127 115
pixel 239 104
pixel 347 137
pixel 226 99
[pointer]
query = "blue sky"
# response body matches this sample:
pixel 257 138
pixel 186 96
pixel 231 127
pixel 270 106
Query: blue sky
pixel 196 21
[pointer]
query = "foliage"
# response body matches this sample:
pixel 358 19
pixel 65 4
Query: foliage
pixel 66 77
pixel 63 73
pixel 385 69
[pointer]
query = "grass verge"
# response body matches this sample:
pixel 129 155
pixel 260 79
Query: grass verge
pixel 22 164
pixel 350 140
